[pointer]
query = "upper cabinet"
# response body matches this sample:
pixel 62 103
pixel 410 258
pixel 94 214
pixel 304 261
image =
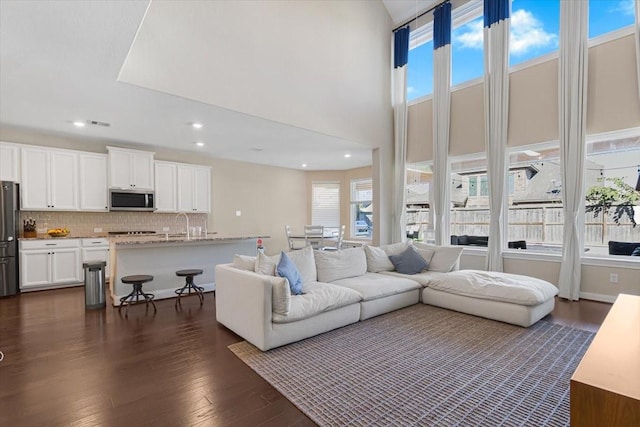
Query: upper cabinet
pixel 49 179
pixel 9 162
pixel 194 188
pixel 130 169
pixel 166 187
pixel 93 182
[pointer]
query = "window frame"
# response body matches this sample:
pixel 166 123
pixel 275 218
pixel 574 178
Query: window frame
pixel 320 221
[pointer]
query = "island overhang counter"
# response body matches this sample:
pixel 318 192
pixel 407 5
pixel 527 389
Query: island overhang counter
pixel 162 255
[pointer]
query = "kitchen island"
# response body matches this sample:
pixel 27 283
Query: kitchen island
pixel 161 255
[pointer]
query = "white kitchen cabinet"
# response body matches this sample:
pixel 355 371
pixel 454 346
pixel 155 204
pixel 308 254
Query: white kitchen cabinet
pixel 96 250
pixel 166 187
pixel 49 179
pixel 9 162
pixel 194 188
pixel 93 182
pixel 49 263
pixel 130 169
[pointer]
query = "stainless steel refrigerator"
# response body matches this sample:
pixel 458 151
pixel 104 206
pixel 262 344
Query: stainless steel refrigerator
pixel 9 219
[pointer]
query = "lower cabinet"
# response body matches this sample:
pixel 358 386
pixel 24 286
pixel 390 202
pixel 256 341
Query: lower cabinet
pixel 96 250
pixel 49 263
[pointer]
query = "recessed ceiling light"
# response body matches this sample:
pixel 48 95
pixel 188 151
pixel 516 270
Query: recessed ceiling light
pixel 257 149
pixel 79 124
pixel 304 165
pixel 347 155
pixel 200 144
pixel 531 153
pixel 197 125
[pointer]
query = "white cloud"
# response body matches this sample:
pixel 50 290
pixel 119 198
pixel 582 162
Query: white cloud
pixel 527 33
pixel 627 7
pixel 410 89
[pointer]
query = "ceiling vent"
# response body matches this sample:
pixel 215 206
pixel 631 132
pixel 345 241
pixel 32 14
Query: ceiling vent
pixel 95 123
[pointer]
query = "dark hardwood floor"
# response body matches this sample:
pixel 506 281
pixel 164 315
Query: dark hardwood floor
pixel 64 366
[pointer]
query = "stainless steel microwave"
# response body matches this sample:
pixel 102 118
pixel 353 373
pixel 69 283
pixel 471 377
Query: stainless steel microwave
pixel 132 200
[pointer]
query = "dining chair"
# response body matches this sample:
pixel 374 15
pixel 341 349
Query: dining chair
pixel 314 236
pixel 292 241
pixel 338 242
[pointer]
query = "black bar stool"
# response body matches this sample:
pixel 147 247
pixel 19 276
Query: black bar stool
pixel 135 296
pixel 189 285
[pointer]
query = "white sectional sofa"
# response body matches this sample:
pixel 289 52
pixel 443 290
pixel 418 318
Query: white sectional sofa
pixel 351 285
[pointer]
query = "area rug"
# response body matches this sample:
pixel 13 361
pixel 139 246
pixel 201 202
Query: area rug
pixel 426 366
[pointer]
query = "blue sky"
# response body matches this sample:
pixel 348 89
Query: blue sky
pixel 534 32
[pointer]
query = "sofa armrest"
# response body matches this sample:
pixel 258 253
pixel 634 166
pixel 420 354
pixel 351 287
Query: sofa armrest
pixel 243 303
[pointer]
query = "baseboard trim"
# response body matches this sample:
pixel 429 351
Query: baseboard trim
pixel 598 297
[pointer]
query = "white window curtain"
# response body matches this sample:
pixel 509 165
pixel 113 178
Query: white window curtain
pixel 637 36
pixel 441 121
pixel 400 55
pixel 325 204
pixel 496 116
pixel 572 83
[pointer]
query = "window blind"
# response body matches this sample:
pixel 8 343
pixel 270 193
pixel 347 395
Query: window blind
pixel 325 204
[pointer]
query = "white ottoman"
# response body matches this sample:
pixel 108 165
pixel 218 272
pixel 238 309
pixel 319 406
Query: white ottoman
pixel 511 298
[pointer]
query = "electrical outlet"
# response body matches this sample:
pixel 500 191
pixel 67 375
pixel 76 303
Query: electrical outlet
pixel 238 213
pixel 613 278
pixel 97 230
pixel 165 228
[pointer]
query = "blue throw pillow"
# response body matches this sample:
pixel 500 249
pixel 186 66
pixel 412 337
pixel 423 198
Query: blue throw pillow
pixel 286 268
pixel 409 262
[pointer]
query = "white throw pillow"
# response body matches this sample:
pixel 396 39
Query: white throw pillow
pixel 305 263
pixel 280 295
pixel 377 260
pixel 266 264
pixel 445 258
pixel 395 248
pixel 244 262
pixel 425 253
pixel 342 264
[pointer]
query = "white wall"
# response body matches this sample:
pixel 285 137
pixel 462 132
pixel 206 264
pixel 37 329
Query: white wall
pixel 318 65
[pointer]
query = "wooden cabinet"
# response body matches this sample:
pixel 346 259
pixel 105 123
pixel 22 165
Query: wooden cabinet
pixel 194 188
pixel 93 182
pixel 49 263
pixel 166 187
pixel 9 162
pixel 605 388
pixel 96 250
pixel 130 169
pixel 49 179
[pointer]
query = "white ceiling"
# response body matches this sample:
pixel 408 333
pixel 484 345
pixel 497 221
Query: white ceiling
pixel 60 61
pixel 403 10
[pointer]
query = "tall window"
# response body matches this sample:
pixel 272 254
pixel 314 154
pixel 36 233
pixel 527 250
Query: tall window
pixel 467 56
pixel 469 197
pixel 362 208
pixel 609 15
pixel 420 71
pixel 325 204
pixel 535 29
pixel 418 216
pixel 535 217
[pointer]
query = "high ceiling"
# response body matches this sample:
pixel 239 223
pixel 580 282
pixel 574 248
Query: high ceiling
pixel 403 10
pixel 60 62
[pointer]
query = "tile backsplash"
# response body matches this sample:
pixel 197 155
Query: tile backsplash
pixel 84 223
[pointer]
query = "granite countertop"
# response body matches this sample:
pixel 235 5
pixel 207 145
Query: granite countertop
pixel 180 238
pixel 45 236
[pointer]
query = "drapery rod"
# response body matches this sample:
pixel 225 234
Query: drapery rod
pixel 419 16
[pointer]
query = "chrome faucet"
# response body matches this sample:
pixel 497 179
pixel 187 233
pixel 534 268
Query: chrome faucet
pixel 185 217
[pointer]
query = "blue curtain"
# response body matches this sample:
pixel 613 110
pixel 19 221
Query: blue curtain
pixel 495 10
pixel 401 47
pixel 442 25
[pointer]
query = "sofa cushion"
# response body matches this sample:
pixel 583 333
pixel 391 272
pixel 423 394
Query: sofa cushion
pixel 266 264
pixel 444 259
pixel 332 266
pixel 377 260
pixel 244 262
pixel 376 285
pixel 286 268
pixel 424 277
pixel 513 288
pixel 409 261
pixel 305 262
pixel 280 295
pixel 317 298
